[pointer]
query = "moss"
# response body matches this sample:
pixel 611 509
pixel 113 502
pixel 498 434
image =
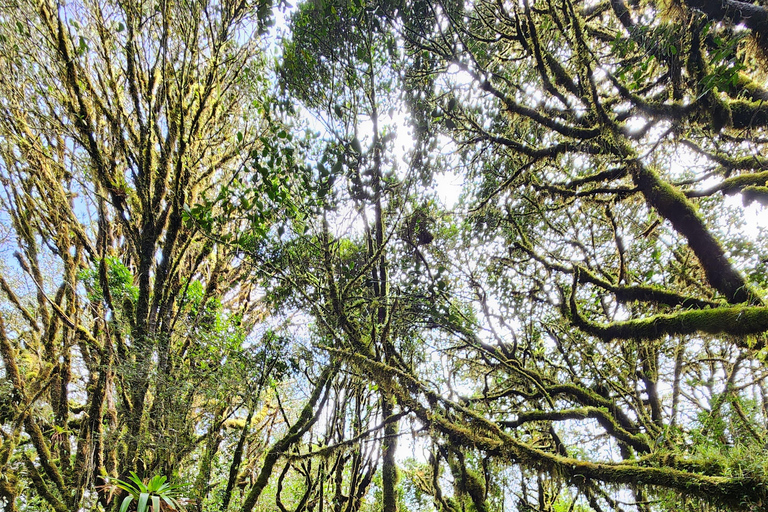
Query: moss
pixel 733 493
pixel 9 490
pixel 739 321
pixel 748 114
pixel 711 466
pixel 750 87
pixel 602 415
pixel 672 204
pixel 735 184
pixel 468 483
pixel 754 193
pixel 467 429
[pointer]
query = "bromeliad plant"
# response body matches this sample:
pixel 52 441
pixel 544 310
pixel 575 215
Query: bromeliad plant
pixel 150 496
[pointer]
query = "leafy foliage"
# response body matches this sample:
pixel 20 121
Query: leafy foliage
pixel 150 496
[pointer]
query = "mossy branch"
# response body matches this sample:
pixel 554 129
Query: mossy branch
pixel 473 430
pixel 9 491
pixel 466 481
pixel 601 415
pixel 42 488
pixel 305 421
pixel 28 316
pixel 672 204
pixel 727 163
pixel 734 184
pixel 748 114
pixel 751 88
pixel 734 321
pixel 623 293
pixel 754 193
pixel 753 16
pixel 513 107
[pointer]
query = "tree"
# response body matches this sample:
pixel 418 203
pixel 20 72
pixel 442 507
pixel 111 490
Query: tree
pixel 615 288
pixel 606 293
pixel 586 330
pixel 355 277
pixel 123 319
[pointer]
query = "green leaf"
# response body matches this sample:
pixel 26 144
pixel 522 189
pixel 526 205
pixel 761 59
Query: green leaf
pixel 139 484
pixel 156 483
pixel 156 503
pixel 172 503
pixel 356 147
pixel 141 506
pixel 126 503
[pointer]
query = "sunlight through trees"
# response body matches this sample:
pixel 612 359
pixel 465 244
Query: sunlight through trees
pixel 230 281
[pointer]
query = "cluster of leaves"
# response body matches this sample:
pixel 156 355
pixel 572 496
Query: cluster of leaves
pixel 120 282
pixel 149 496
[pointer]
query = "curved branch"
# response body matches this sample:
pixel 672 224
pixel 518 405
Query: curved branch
pixel 672 204
pixel 307 418
pixel 735 321
pixel 754 17
pixel 474 430
pixel 515 108
pixel 733 185
pixel 623 294
pixel 601 415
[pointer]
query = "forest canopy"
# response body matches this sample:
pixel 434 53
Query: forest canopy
pixel 233 278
